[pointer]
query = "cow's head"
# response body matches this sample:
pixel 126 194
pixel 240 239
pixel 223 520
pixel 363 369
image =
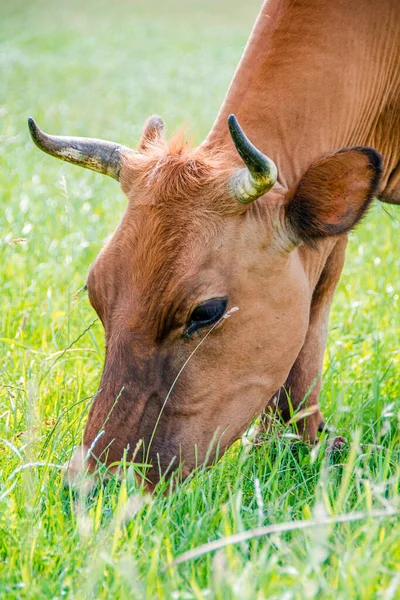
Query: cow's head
pixel 199 238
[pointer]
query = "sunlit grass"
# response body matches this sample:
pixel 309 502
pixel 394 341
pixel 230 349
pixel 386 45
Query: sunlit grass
pixel 99 69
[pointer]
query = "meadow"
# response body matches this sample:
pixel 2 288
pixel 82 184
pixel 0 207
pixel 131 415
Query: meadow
pixel 99 69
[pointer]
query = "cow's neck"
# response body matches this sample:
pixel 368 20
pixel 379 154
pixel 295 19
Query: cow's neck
pixel 314 78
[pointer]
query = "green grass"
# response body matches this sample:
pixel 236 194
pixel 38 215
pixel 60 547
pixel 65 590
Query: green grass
pixel 100 68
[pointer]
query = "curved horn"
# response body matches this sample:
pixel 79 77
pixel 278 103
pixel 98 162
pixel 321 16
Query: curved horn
pixel 261 173
pixel 97 155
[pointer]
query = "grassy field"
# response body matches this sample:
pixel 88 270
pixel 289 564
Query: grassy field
pixel 99 68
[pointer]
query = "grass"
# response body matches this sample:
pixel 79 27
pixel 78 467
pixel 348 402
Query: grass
pixel 99 69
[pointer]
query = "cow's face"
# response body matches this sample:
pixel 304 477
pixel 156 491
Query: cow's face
pixel 204 297
pixel 166 288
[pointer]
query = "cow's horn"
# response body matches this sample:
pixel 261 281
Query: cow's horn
pixel 97 155
pixel 261 173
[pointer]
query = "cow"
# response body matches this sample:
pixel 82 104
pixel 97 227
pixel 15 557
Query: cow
pixel 216 287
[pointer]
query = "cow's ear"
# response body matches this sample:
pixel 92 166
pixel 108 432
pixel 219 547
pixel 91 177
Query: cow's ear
pixel 333 194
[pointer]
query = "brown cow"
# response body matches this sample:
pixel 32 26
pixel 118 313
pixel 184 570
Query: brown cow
pixel 201 235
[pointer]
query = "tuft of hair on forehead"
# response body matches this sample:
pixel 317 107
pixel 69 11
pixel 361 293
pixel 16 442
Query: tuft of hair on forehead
pixel 178 200
pixel 172 173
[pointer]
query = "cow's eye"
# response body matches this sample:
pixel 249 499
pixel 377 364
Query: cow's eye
pixel 206 314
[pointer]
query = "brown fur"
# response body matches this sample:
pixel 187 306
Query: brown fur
pixel 164 186
pixel 174 175
pixel 316 77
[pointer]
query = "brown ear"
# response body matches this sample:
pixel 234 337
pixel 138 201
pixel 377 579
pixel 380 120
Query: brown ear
pixel 334 193
pixel 153 132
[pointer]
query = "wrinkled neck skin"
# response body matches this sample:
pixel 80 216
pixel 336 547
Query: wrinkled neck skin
pixel 305 87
